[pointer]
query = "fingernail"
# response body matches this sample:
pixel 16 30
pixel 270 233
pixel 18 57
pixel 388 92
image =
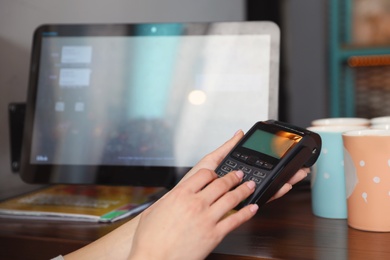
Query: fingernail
pixel 240 174
pixel 253 208
pixel 238 132
pixel 251 184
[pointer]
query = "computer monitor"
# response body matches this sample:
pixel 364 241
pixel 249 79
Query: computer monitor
pixel 140 104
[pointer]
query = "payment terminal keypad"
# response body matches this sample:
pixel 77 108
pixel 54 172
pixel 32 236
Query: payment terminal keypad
pixel 254 168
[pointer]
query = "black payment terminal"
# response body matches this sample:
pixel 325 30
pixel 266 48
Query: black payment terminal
pixel 270 153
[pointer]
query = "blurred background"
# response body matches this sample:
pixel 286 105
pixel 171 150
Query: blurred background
pixel 333 52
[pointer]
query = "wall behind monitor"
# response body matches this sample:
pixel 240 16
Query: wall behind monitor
pixel 305 56
pixel 303 82
pixel 18 20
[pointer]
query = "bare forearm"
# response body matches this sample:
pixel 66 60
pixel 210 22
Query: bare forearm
pixel 115 245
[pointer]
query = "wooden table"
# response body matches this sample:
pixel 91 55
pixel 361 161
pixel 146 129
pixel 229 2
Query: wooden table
pixel 284 229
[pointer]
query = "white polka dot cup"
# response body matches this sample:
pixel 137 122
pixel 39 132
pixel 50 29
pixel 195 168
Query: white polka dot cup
pixel 367 171
pixel 327 179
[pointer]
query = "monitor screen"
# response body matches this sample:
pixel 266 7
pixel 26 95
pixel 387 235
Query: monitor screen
pixel 124 103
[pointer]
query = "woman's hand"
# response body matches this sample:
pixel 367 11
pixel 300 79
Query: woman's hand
pixel 190 221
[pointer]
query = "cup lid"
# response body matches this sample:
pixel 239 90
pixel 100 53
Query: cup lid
pixel 380 120
pixel 335 128
pixel 341 121
pixel 368 132
pixel 381 126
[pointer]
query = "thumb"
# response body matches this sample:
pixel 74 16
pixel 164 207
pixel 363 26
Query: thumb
pixel 213 159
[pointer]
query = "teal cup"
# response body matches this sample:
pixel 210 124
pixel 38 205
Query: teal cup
pixel 328 192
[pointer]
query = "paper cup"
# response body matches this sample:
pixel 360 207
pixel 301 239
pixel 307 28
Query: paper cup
pixel 327 179
pixel 367 170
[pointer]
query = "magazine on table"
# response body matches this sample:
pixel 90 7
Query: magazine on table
pixel 88 203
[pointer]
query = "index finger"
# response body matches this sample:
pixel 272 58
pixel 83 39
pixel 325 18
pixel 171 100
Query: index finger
pixel 199 180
